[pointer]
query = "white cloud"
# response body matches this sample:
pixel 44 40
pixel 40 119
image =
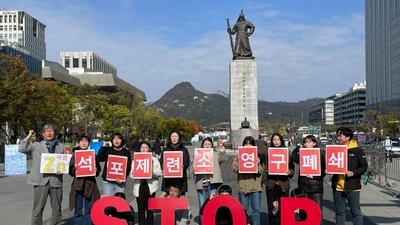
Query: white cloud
pixel 295 61
pixel 271 13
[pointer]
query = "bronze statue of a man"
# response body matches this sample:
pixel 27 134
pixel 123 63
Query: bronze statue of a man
pixel 243 29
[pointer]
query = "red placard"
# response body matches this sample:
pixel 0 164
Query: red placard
pixel 85 164
pixel 336 159
pixel 116 167
pixel 248 159
pixel 203 161
pixel 173 164
pixel 278 161
pixel 310 162
pixel 142 165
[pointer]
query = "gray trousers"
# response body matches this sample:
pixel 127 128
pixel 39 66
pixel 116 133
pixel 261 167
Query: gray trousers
pixel 40 194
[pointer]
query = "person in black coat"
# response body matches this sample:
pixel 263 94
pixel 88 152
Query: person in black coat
pixel 117 149
pixel 84 191
pixel 174 144
pixel 277 186
pixel 312 186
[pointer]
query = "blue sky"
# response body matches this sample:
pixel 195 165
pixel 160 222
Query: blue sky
pixel 304 48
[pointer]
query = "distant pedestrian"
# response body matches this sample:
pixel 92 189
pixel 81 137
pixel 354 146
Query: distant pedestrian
pixel 2 152
pixel 388 142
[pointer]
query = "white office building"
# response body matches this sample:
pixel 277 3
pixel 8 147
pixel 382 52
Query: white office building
pixel 84 62
pixel 350 106
pixel 23 32
pixel 323 113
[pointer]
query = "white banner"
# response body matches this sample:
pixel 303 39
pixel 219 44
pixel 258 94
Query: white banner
pixel 53 163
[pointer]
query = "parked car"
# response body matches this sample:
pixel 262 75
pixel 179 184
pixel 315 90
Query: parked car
pixel 395 147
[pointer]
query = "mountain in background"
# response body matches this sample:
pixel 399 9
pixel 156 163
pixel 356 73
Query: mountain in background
pixel 185 101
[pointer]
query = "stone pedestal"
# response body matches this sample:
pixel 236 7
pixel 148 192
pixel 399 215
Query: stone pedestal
pixel 237 136
pixel 243 92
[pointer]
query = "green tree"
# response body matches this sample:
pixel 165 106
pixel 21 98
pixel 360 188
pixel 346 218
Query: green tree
pixel 81 91
pixel 125 99
pixel 117 118
pixel 90 112
pixel 186 128
pixel 14 84
pixel 48 102
pixel 389 124
pixel 28 102
pixel 145 121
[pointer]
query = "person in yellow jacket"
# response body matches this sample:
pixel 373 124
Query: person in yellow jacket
pixel 348 186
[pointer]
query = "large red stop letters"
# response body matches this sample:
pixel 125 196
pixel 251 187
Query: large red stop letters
pixel 237 211
pixel 290 205
pixel 168 207
pixel 100 218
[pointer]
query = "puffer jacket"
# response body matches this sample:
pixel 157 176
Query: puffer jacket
pixel 310 185
pixel 153 183
pixel 357 163
pixel 166 182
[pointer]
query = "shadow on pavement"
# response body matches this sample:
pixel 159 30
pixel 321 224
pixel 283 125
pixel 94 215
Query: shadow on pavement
pixel 380 220
pixel 326 222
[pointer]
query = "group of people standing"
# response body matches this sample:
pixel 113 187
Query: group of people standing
pixel 345 187
pixel 84 190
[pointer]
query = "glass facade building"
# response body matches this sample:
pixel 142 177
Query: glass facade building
pixel 33 64
pixel 382 54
